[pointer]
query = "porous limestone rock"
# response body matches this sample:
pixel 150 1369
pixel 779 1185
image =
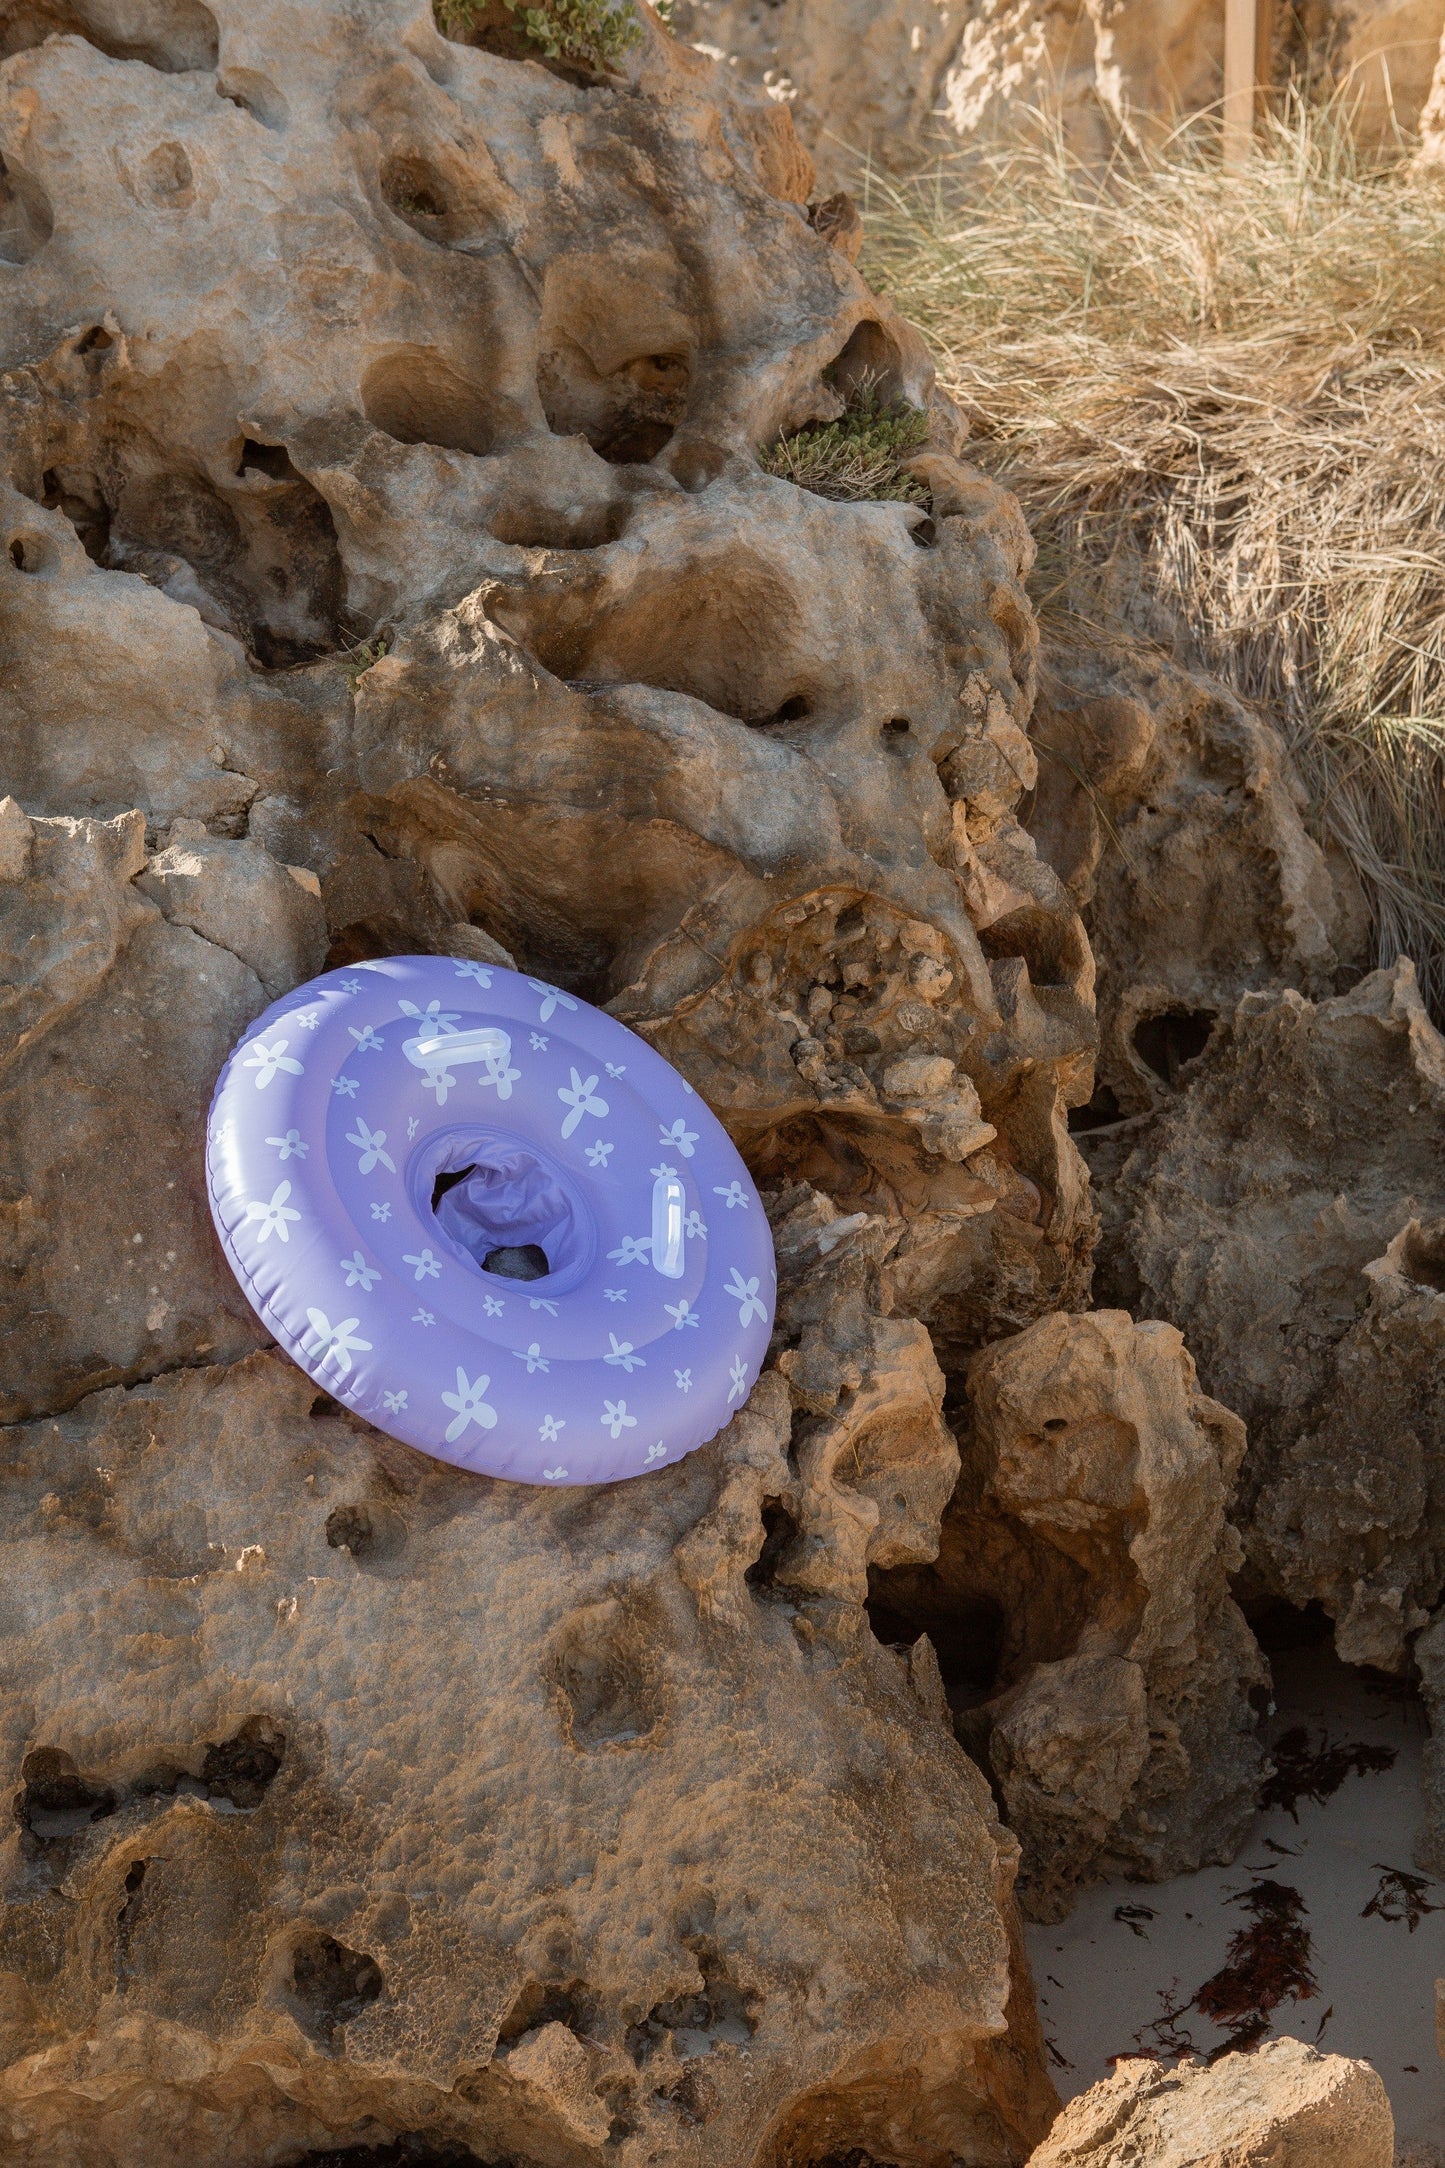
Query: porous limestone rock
pixel 1081 1604
pixel 116 1014
pixel 1285 1210
pixel 1174 817
pixel 1284 2105
pixel 447 571
pixel 381 515
pixel 357 1797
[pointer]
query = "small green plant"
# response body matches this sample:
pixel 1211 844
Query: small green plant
pixel 356 661
pixel 858 457
pixel 589 33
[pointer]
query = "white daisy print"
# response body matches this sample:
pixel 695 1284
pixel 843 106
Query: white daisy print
pixel 269 1061
pixel 273 1218
pixel 291 1146
pixel 616 1418
pixel 359 1273
pixel 470 1406
pixel 426 1267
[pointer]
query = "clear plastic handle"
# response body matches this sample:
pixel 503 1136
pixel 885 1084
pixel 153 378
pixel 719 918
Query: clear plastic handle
pixel 669 1203
pixel 486 1043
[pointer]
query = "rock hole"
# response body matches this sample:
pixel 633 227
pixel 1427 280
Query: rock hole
pixel 254 94
pixel 573 527
pixel 895 729
pixel 1102 1112
pixel 412 188
pixel 923 534
pixel 967 1633
pixel 416 397
pixel 780 1532
pixel 868 366
pixel 545 2003
pixel 1050 946
pixel 243 1767
pixel 527 1261
pixel 26 219
pixel 331 1983
pixel 627 406
pixel 793 710
pixel 1056 1422
pixel 125 1920
pixel 175 38
pixel 1167 1041
pixel 166 178
pixel 603 1667
pixel 635 443
pixel 55 1801
pixel 1424 1255
pixel 349 1528
pixel 271 460
pixel 79 497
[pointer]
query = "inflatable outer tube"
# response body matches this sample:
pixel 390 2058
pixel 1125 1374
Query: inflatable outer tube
pixel 381 1133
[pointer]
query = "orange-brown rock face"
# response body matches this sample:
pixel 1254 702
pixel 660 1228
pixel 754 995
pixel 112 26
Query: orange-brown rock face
pixel 387 564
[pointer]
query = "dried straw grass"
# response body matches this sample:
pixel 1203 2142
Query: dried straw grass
pixel 1221 398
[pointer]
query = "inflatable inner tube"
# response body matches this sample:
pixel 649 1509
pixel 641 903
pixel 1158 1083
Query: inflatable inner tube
pixel 491 1219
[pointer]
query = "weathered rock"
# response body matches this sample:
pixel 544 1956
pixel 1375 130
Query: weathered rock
pixel 1283 1209
pixel 113 1024
pixel 361 1797
pixel 1174 817
pixel 1284 2105
pixel 382 517
pixel 1088 1544
pixel 449 574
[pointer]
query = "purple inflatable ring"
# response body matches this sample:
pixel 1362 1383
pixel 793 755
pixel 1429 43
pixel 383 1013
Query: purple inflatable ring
pixel 491 1219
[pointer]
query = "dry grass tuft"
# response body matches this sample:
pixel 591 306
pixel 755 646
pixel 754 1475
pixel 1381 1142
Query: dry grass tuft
pixel 1221 398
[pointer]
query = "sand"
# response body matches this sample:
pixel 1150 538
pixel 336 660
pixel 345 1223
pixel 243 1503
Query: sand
pixel 1101 1978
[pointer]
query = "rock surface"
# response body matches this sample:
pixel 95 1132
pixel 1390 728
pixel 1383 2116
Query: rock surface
pixel 1283 2106
pixel 1286 1208
pixel 1081 1604
pixel 1174 817
pixel 372 1799
pixel 387 564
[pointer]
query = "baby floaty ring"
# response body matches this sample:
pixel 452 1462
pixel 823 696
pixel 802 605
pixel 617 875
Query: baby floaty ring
pixel 491 1220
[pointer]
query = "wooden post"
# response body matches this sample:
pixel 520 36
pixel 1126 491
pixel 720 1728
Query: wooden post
pixel 1241 78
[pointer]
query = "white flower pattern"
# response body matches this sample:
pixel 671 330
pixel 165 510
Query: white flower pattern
pixel 582 1100
pixel 682 1313
pixel 359 1273
pixel 274 1217
pixel 334 1343
pixel 291 1146
pixel 616 1418
pixel 552 1428
pixel 269 1061
pixel 745 1294
pixel 733 1195
pixel 680 1137
pixel 623 1355
pixel 469 1406
pixel 426 1267
pixel 533 1358
pixel 552 999
pixel 739 1376
pixel 598 1154
pixel 370 1143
